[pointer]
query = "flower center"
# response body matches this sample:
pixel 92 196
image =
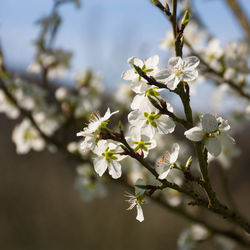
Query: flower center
pixel 139 199
pixel 144 70
pixel 151 118
pixel 177 71
pixel 141 145
pixel 109 154
pixel 29 135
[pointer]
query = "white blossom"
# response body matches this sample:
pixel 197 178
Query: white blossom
pixel 137 200
pixel 236 56
pixel 141 100
pixel 210 131
pixel 195 35
pixel 192 33
pixel 55 62
pixel 212 53
pixel 47 122
pixel 7 107
pixel 26 137
pixel 61 93
pixel 108 157
pixel 141 143
pixel 150 123
pixel 86 79
pixel 229 151
pixel 178 70
pixel 168 161
pixel 148 66
pixel 91 132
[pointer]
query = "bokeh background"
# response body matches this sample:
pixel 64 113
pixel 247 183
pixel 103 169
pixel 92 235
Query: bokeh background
pixel 39 205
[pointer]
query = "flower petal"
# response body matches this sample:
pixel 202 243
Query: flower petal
pixel 209 123
pixel 174 62
pixel 115 169
pixel 129 75
pixel 100 165
pixel 224 126
pixel 137 101
pixel 134 116
pixel 148 130
pixel 165 125
pixel 162 75
pixel 139 87
pixel 173 154
pixel 213 146
pixel 152 62
pixel 140 216
pixel 194 134
pixel 189 75
pixel 172 82
pixel 165 171
pixel 190 63
pixel 135 61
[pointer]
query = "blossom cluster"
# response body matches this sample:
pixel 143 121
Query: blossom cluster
pixel 145 152
pixel 146 121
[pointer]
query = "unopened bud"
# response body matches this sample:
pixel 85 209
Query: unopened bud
pixel 189 162
pixel 120 126
pixel 185 18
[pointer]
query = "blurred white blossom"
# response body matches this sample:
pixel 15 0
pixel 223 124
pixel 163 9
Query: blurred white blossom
pixel 26 137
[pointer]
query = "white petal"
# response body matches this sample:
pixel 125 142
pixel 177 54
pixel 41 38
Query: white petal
pixel 165 173
pixel 194 134
pixel 100 148
pixel 129 75
pixel 137 102
pixel 152 145
pixel 139 87
pixel 139 216
pixel 133 116
pixel 165 125
pixel 148 130
pixel 172 82
pixel 189 75
pixel 136 61
pixel 174 62
pixel 225 138
pixel 173 154
pixel 213 146
pixel 169 107
pixel 38 144
pixel 209 123
pixel 115 169
pixel 108 114
pixel 152 62
pixel 162 75
pixel 134 131
pixel 100 165
pixel 224 126
pixel 81 133
pixel 190 62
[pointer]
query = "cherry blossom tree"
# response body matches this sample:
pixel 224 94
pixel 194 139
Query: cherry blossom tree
pixel 142 151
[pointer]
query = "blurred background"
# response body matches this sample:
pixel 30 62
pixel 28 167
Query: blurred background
pixel 40 207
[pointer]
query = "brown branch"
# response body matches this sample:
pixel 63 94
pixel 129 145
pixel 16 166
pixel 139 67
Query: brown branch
pixel 182 212
pixel 214 204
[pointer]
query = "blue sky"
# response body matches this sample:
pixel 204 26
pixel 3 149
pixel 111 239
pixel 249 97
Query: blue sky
pixel 103 34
